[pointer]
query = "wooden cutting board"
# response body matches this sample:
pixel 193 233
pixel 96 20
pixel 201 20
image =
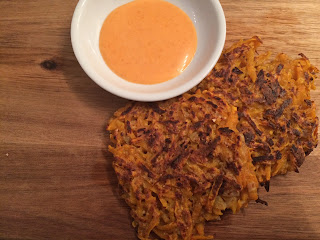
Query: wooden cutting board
pixel 56 179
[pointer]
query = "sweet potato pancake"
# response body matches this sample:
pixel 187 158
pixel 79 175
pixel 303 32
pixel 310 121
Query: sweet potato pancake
pixel 184 161
pixel 180 163
pixel 276 115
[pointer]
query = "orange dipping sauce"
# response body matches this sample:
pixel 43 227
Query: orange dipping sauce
pixel 148 41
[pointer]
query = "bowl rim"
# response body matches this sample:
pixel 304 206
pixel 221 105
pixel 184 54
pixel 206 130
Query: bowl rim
pixel 147 97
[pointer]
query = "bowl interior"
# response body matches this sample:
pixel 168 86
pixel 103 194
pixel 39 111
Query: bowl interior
pixel 88 18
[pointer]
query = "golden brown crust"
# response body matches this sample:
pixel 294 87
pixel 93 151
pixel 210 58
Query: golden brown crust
pixel 184 161
pixel 276 115
pixel 181 162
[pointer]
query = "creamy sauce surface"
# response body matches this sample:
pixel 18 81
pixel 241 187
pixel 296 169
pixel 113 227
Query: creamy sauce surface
pixel 148 41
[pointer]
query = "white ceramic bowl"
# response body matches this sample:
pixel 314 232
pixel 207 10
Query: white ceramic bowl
pixel 210 24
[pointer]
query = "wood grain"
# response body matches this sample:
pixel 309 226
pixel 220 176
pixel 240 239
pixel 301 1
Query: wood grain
pixel 56 179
